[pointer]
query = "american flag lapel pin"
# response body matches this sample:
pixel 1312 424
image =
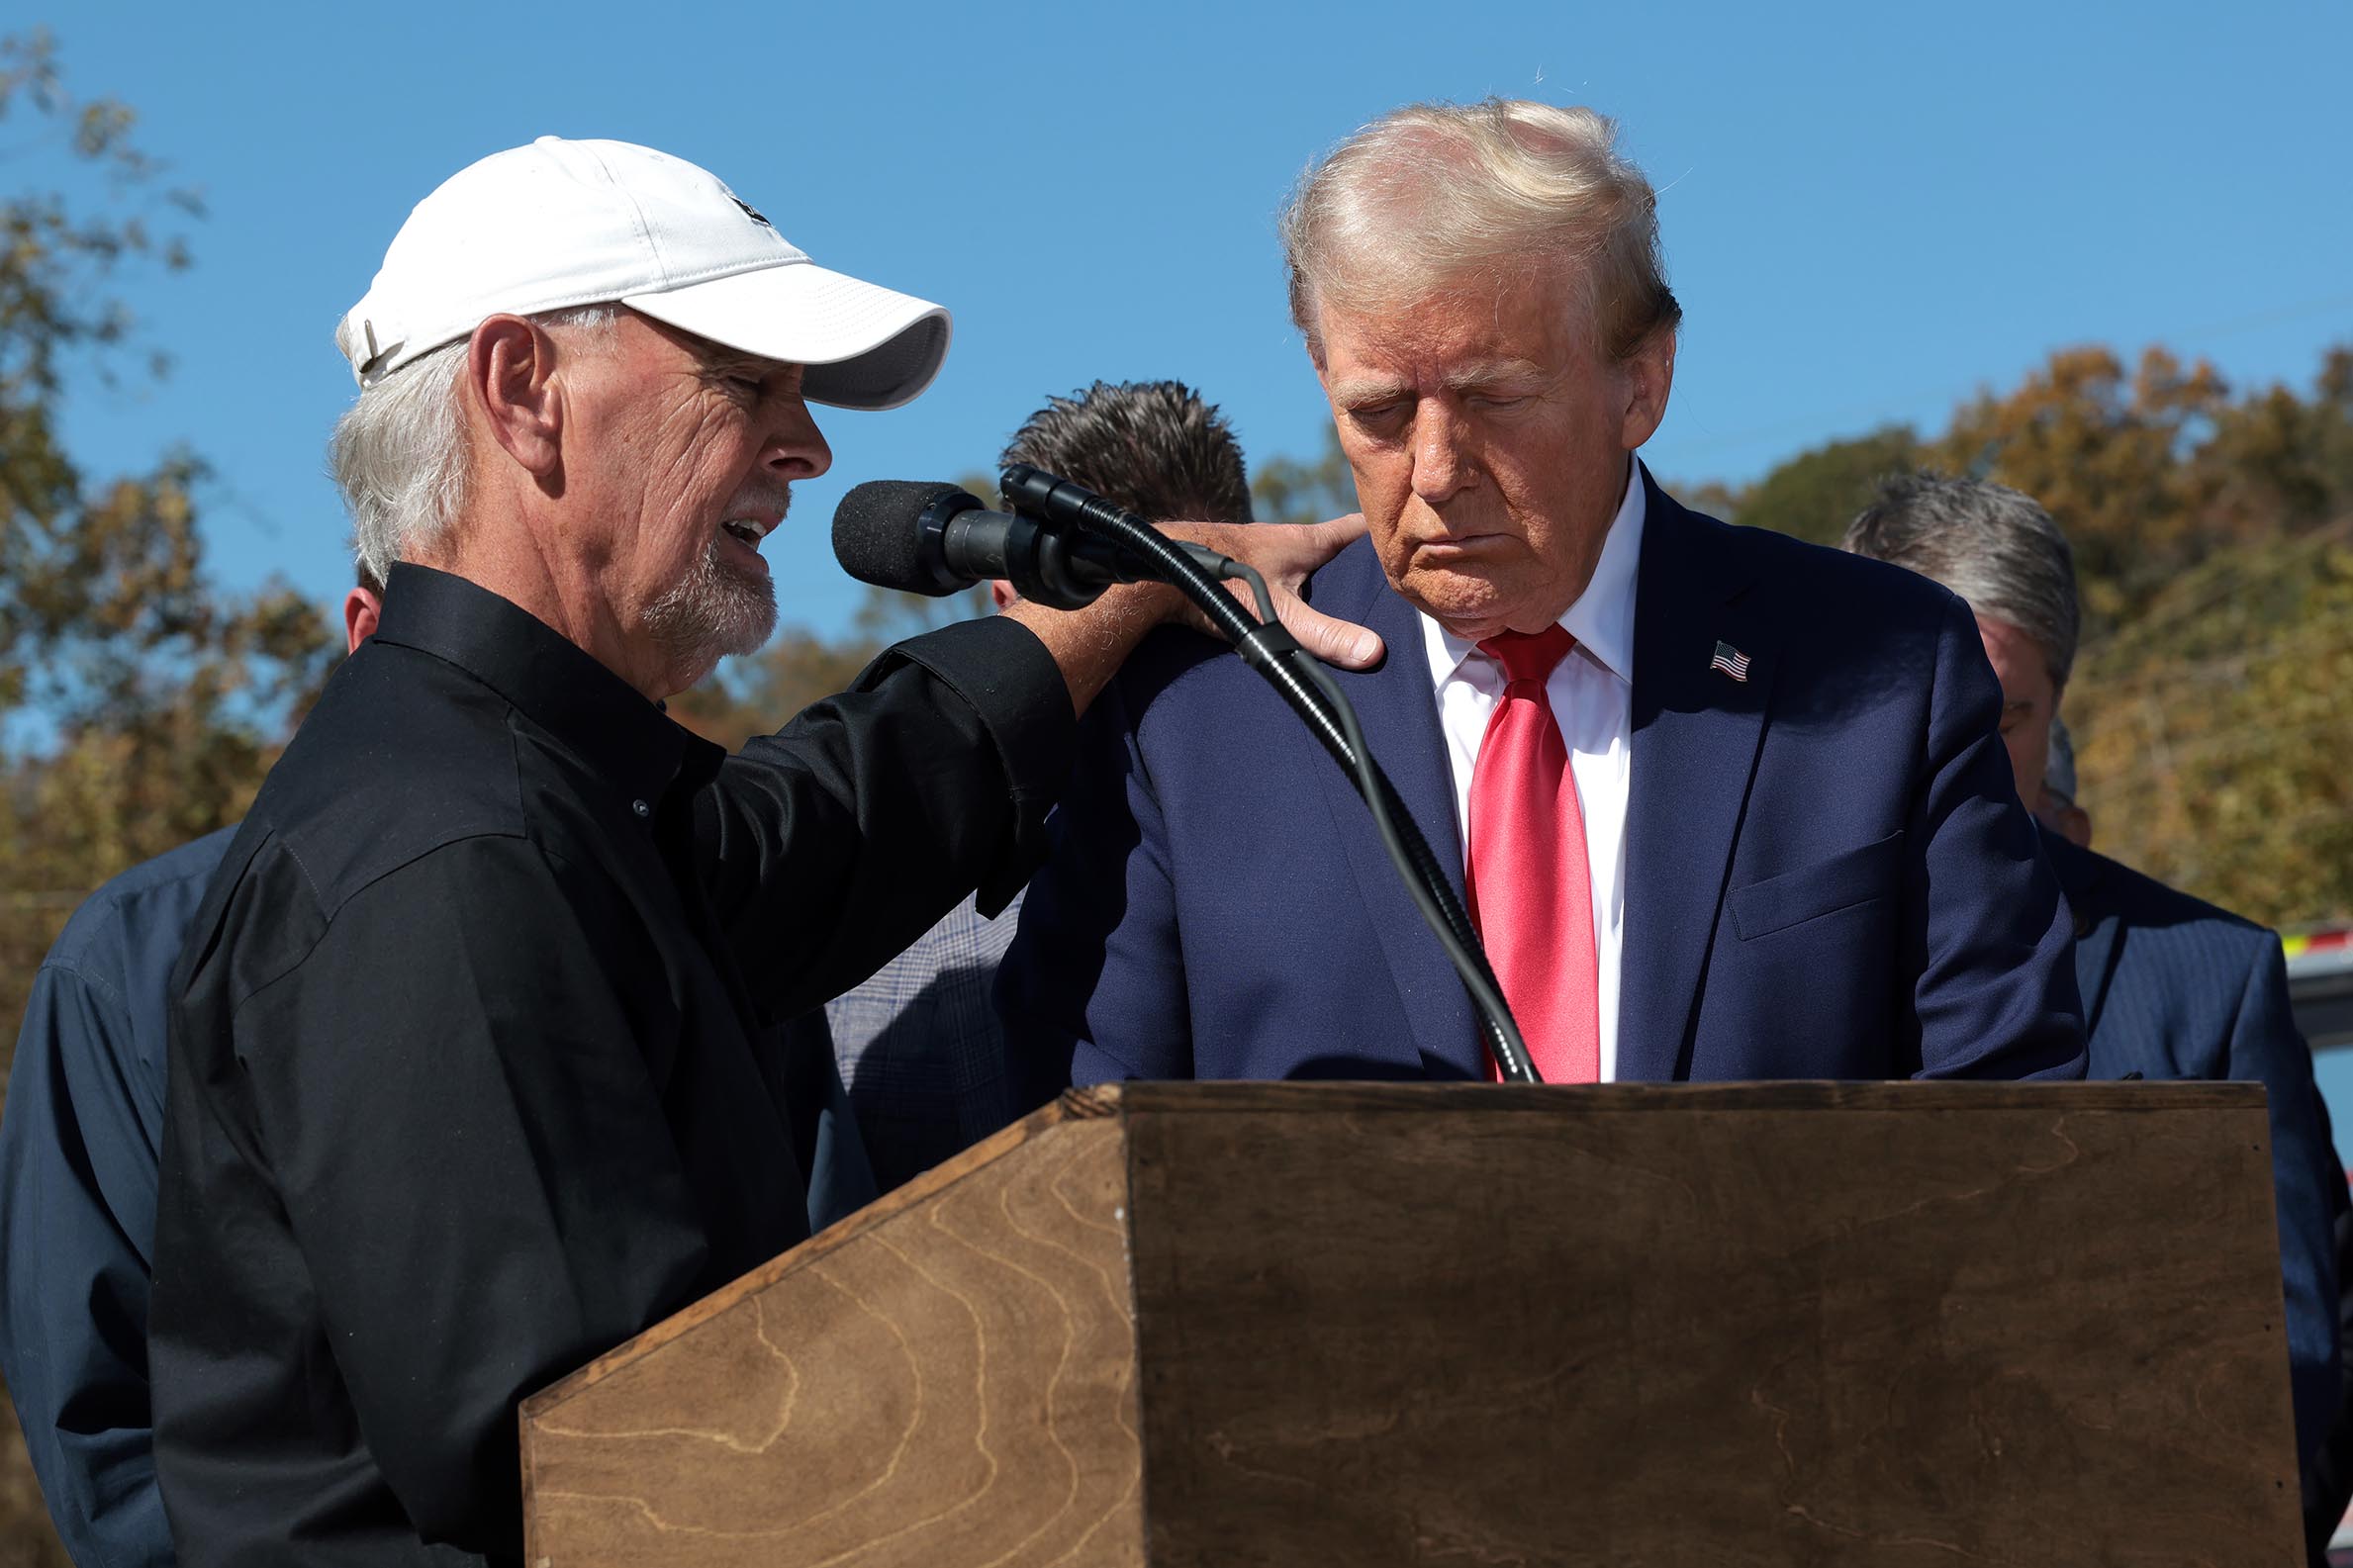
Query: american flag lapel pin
pixel 1731 660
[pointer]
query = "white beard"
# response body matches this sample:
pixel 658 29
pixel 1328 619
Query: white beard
pixel 717 608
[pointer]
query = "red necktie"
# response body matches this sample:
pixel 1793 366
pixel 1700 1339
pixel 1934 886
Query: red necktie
pixel 1530 888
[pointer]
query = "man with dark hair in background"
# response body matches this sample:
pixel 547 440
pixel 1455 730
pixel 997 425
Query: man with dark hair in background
pixel 920 1044
pixel 2172 987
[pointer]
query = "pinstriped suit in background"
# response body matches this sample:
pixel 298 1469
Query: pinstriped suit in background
pixel 920 1048
pixel 2176 988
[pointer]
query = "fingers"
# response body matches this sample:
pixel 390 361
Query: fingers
pixel 1337 642
pixel 1285 552
pixel 1289 556
pixel 1340 532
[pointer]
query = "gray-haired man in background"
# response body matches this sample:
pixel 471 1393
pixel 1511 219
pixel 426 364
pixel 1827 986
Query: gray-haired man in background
pixel 920 1044
pixel 2172 987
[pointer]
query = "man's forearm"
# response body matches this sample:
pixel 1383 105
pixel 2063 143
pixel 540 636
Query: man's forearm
pixel 1088 645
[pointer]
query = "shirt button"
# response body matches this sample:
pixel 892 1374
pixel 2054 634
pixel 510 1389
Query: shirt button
pixel 641 808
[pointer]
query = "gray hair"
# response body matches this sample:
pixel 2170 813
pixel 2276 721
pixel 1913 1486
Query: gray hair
pixel 1431 192
pixel 1993 546
pixel 399 454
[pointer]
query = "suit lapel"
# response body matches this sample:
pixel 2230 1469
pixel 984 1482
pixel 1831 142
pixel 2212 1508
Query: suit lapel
pixel 2096 937
pixel 1697 732
pixel 1398 711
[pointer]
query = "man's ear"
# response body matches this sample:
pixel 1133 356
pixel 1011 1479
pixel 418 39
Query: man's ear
pixel 361 610
pixel 511 382
pixel 1649 374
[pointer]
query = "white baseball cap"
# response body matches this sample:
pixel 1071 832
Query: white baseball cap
pixel 562 224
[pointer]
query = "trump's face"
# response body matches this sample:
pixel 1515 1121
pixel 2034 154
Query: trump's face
pixel 1489 437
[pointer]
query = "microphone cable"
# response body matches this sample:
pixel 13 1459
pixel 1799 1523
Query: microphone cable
pixel 1266 647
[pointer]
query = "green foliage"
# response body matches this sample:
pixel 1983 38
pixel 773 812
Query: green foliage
pixel 2213 698
pixel 1816 494
pixel 2212 703
pixel 141 707
pixel 2110 454
pixel 2215 733
pixel 1292 490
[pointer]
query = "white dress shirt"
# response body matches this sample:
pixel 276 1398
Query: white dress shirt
pixel 1592 697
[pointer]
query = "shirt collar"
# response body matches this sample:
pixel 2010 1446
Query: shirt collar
pixel 1601 619
pixel 544 675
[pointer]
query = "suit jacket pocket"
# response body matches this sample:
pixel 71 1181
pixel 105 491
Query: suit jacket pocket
pixel 1852 877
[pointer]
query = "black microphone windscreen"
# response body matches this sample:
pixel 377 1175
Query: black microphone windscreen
pixel 875 538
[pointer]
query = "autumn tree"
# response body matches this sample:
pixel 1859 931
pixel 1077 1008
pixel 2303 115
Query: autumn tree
pixel 2276 463
pixel 2105 451
pixel 1304 490
pixel 139 707
pixel 2212 697
pixel 2215 732
pixel 1816 494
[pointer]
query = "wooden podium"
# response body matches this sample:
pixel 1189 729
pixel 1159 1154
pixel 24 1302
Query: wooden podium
pixel 1219 1325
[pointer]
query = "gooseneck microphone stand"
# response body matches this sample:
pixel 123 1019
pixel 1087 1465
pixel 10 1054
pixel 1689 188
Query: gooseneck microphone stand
pixel 1311 693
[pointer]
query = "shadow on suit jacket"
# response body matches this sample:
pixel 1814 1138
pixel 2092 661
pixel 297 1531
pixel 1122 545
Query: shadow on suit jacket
pixel 1829 873
pixel 2176 988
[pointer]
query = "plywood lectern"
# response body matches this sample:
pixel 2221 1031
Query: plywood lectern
pixel 1220 1325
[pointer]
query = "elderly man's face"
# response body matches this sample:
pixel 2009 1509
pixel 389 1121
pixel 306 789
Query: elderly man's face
pixel 685 453
pixel 1490 441
pixel 2029 701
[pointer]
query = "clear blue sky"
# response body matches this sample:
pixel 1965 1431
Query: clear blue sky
pixel 1869 209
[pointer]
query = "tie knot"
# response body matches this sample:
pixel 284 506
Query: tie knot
pixel 1529 656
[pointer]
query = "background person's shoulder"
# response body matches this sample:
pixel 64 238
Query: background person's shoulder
pixel 2099 888
pixel 161 894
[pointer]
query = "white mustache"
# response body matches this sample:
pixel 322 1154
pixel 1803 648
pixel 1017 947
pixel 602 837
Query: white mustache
pixel 760 502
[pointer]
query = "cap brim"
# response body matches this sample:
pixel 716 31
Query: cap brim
pixel 865 346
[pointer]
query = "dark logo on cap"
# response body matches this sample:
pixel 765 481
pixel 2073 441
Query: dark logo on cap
pixel 749 211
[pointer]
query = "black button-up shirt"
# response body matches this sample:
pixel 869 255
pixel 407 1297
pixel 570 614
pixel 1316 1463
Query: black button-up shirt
pixel 467 1080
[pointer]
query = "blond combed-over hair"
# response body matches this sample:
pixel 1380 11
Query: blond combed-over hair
pixel 1432 193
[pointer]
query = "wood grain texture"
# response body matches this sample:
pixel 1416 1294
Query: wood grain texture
pixel 1643 1099
pixel 944 1380
pixel 1074 1105
pixel 1789 1325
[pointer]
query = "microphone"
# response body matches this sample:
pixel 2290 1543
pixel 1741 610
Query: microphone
pixel 1059 501
pixel 934 539
pixel 1269 650
pixel 1061 546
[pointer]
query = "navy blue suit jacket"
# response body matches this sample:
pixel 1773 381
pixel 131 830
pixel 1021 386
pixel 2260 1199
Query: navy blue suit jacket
pixel 1828 873
pixel 77 1204
pixel 2176 988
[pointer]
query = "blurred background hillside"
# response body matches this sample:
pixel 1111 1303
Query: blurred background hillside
pixel 142 698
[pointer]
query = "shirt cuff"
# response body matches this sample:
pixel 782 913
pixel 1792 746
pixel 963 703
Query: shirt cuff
pixel 1002 669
